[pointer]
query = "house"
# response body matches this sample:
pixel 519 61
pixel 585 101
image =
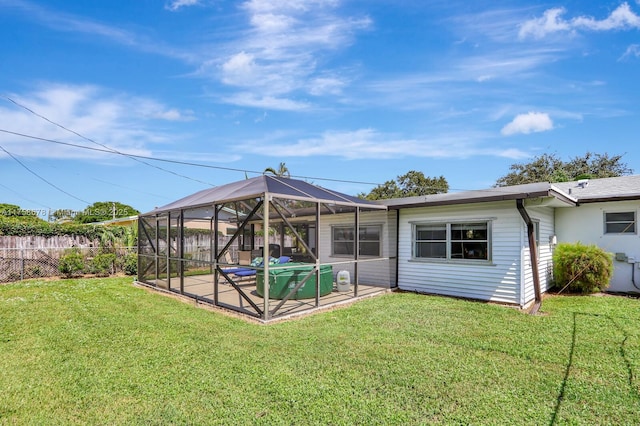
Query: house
pixel 493 245
pixel 606 215
pixel 474 244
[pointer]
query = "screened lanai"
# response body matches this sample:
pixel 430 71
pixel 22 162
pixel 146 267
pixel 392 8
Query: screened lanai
pixel 218 245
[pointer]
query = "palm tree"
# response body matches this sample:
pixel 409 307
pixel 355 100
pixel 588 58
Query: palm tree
pixel 282 171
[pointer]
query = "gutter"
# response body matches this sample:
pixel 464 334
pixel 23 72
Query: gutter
pixel 533 255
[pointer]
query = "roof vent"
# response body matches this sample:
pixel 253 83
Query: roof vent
pixel 583 183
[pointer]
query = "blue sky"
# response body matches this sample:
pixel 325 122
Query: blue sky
pixel 356 91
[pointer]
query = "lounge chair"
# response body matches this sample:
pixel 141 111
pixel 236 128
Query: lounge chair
pixel 247 272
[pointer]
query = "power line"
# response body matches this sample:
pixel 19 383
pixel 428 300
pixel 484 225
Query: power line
pixel 23 197
pixel 41 178
pixel 139 157
pixel 185 163
pixel 117 185
pixel 100 144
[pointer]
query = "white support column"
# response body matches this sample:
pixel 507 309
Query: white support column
pixel 265 255
pixel 317 232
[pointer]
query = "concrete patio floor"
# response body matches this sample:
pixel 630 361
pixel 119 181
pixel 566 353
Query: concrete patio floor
pixel 201 287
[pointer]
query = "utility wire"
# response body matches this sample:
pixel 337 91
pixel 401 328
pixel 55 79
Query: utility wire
pixel 41 178
pixel 23 197
pixel 139 157
pixel 186 163
pixel 100 144
pixel 117 185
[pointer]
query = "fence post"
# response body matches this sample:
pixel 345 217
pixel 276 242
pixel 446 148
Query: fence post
pixel 21 264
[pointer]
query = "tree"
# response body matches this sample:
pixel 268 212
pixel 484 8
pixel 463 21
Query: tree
pixel 597 166
pixel 283 171
pixel 411 184
pixel 15 214
pixel 550 168
pixel 104 210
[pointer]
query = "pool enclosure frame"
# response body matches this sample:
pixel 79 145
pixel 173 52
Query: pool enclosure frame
pixel 252 206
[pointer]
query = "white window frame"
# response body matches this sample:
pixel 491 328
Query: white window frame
pixel 607 222
pixel 351 228
pixel 448 241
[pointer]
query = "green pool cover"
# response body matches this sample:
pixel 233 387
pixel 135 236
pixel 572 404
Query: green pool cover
pixel 284 279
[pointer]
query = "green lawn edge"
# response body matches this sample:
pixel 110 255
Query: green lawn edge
pixel 103 351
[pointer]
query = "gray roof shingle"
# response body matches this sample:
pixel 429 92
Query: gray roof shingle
pixel 606 189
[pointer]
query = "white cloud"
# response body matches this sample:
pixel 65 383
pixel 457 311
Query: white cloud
pixel 528 123
pixel 370 143
pixel 239 70
pixel 552 22
pixel 549 23
pixel 248 99
pixel 326 85
pixel 122 122
pixel 621 18
pixel 177 4
pixel 278 56
pixel 632 51
pixel 65 22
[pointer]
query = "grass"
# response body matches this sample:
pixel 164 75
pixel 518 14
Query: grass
pixel 101 351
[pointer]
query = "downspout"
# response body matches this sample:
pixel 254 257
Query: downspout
pixel 397 247
pixel 533 255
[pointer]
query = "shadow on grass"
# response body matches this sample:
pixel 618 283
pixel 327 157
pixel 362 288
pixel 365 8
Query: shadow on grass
pixel 622 352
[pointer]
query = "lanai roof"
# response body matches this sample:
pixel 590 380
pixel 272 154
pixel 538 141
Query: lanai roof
pixel 279 187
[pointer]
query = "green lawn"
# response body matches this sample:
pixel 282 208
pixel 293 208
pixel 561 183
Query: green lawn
pixel 102 351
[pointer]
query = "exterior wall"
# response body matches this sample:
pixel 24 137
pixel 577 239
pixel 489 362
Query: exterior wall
pixel 586 225
pixel 545 217
pixel 503 279
pixel 370 271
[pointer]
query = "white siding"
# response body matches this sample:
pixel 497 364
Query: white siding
pixel 586 225
pixel 370 272
pixel 545 217
pixel 499 280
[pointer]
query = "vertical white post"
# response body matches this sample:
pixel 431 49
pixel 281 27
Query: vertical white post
pixel 265 255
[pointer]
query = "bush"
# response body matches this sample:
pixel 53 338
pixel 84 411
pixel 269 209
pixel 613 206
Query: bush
pixel 45 229
pixel 130 266
pixel 581 268
pixel 102 264
pixel 71 263
pixel 34 272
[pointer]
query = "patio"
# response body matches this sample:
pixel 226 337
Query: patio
pixel 195 246
pixel 202 289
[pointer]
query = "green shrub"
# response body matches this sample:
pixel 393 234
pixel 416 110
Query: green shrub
pixel 130 265
pixel 45 229
pixel 103 264
pixel 71 263
pixel 34 272
pixel 581 268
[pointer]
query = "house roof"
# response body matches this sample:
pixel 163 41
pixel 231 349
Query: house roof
pixel 560 193
pixel 566 193
pixel 279 187
pixel 530 190
pixel 606 189
pixel 118 221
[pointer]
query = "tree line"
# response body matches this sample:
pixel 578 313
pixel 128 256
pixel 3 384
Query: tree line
pixel 543 168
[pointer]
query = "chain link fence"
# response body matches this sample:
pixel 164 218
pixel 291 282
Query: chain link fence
pixel 27 263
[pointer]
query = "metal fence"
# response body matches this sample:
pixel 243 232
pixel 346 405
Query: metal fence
pixel 25 263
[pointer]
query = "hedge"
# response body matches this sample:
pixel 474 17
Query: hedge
pixel 92 232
